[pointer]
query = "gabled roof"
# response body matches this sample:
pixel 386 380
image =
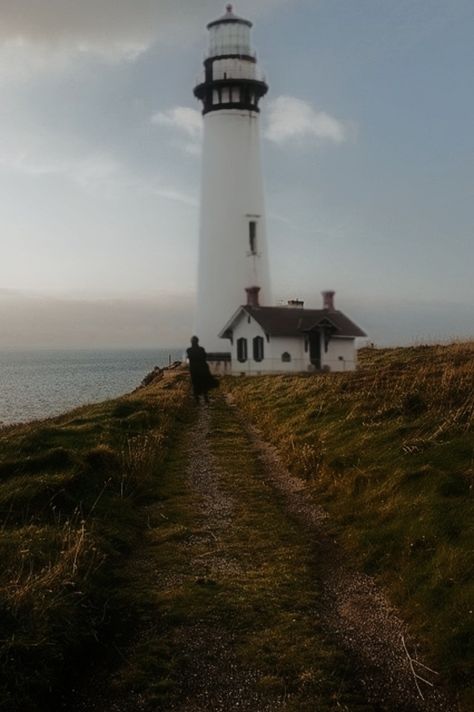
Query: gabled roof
pixel 289 321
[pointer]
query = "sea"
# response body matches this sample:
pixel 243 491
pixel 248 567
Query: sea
pixel 41 384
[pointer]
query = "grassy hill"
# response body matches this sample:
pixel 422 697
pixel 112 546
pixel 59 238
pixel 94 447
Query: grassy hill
pixel 389 451
pixel 71 491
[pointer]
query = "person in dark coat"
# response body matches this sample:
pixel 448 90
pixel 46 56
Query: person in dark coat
pixel 201 377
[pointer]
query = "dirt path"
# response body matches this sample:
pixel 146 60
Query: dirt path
pixel 248 603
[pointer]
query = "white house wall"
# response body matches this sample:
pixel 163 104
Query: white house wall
pixel 273 351
pixel 341 354
pixel 293 346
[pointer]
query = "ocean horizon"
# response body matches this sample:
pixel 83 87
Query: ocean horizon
pixel 42 383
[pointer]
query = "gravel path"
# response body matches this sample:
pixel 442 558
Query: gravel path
pixel 212 678
pixel 356 612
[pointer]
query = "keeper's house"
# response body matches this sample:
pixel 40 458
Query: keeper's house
pixel 290 339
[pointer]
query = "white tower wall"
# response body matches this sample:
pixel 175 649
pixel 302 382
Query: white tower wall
pixel 231 198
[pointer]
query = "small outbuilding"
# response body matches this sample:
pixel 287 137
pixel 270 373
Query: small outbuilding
pixel 290 338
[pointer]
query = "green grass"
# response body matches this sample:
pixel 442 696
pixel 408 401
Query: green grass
pixel 389 451
pixel 72 490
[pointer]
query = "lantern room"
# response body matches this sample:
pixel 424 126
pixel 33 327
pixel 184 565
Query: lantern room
pixel 229 35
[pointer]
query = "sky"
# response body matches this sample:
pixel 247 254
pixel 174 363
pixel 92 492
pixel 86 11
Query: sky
pixel 368 154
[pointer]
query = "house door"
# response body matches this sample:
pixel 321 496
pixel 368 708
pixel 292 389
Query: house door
pixel 315 349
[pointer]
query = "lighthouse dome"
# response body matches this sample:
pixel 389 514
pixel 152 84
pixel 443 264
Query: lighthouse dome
pixel 229 34
pixel 229 17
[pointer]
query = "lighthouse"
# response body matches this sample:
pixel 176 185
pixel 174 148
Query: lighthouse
pixel 233 253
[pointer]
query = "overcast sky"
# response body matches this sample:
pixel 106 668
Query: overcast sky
pixel 368 147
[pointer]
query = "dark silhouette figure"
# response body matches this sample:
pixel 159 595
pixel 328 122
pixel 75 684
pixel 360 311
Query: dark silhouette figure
pixel 201 377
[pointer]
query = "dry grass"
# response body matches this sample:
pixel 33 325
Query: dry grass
pixel 389 450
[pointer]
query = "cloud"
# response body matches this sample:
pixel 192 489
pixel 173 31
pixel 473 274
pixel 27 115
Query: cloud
pixel 291 119
pixel 39 155
pixel 182 118
pixel 124 27
pixel 86 22
pixel 51 36
pixel 184 121
pixel 18 62
pixel 92 170
pixel 175 196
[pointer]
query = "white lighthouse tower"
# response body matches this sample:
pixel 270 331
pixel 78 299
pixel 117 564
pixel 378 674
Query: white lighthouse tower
pixel 232 245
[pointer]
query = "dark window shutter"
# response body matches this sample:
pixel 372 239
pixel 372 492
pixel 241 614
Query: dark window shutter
pixel 242 350
pixel 258 352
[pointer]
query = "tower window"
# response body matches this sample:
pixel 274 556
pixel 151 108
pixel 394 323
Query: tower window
pixel 242 350
pixel 253 237
pixel 258 353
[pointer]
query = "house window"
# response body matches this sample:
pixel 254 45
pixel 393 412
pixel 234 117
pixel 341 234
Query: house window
pixel 258 353
pixel 253 237
pixel 242 350
pixel 286 357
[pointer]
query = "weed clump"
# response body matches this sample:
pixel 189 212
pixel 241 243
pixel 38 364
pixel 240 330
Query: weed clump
pixel 307 458
pixel 413 404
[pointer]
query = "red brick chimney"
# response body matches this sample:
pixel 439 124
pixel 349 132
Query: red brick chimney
pixel 252 296
pixel 328 300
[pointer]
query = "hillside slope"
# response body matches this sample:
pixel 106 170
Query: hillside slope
pixel 72 491
pixel 389 452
